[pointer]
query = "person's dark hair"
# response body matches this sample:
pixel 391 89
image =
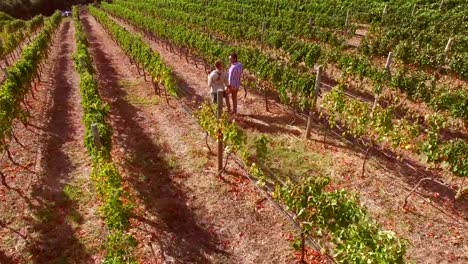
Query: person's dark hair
pixel 234 56
pixel 218 64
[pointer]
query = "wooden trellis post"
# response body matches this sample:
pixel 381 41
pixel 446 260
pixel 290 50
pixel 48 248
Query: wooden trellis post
pixel 261 50
pixel 446 53
pixel 414 9
pixel 347 18
pixel 263 35
pixel 388 64
pixel 387 69
pixel 96 137
pixel 313 107
pixel 384 12
pixel 5 72
pixel 441 4
pixel 219 116
pixel 448 46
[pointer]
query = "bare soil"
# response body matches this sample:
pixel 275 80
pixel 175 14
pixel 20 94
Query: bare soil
pixel 184 213
pixel 434 225
pixel 49 214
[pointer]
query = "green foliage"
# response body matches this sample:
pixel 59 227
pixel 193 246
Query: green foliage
pixel 21 75
pixel 119 246
pixel 418 33
pixel 95 110
pixel 356 237
pixel 258 173
pixel 116 208
pixel 291 83
pixel 376 125
pixel 233 136
pixel 72 193
pixel 453 100
pixel 198 17
pixel 5 17
pixel 261 147
pixel 139 51
pixel 455 155
pixel 452 154
pixel 180 22
pixel 418 85
pixel 108 182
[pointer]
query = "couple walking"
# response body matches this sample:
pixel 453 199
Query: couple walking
pixel 229 82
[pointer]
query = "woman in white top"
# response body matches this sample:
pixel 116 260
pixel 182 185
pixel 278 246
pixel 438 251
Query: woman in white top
pixel 218 81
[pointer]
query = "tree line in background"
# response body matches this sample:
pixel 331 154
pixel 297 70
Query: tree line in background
pixel 26 9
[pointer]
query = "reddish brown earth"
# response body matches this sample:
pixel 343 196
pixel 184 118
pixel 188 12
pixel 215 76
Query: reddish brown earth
pixel 434 224
pixel 184 213
pixel 49 214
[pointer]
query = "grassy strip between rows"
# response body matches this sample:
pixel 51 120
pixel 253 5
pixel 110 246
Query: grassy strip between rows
pixel 116 208
pixel 336 214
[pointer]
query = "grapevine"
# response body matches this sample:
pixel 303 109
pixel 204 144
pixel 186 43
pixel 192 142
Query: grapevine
pixel 116 209
pixel 19 80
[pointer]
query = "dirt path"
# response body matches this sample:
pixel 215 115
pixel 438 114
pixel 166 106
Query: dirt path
pixel 434 225
pixel 58 216
pixel 184 213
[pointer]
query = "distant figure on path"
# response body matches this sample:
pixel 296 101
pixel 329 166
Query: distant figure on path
pixel 218 81
pixel 234 81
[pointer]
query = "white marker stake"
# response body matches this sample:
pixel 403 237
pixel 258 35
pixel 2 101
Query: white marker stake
pixel 96 137
pixel 263 35
pixel 448 46
pixel 389 61
pixel 313 107
pixel 384 12
pixel 347 18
